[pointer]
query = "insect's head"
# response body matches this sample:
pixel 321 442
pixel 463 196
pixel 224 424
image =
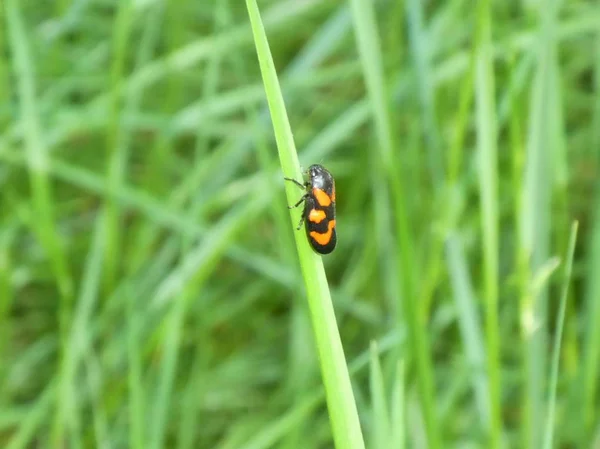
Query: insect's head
pixel 319 176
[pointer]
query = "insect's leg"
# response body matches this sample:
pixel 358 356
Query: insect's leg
pixel 301 222
pixel 299 202
pixel 298 183
pixel 308 204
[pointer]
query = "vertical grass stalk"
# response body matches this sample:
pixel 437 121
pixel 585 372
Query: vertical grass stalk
pixel 370 51
pixel 43 223
pixel 536 225
pixel 560 321
pixel 488 195
pixel 343 413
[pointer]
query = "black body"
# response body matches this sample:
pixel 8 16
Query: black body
pixel 319 209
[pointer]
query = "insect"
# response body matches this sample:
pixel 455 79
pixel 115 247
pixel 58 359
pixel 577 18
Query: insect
pixel 319 208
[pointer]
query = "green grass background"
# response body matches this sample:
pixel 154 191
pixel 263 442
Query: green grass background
pixel 151 293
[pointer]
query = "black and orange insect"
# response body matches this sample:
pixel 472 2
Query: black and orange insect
pixel 319 209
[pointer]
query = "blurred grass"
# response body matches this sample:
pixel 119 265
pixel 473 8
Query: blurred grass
pixel 149 289
pixel 487 170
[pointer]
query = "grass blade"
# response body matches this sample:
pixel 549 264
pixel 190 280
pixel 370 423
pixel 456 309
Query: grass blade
pixel 591 355
pixel 488 190
pixel 536 225
pixel 368 43
pixel 116 146
pixel 381 421
pixel 41 190
pixel 340 398
pixel 470 328
pixel 421 53
pixel 560 321
pixel 398 433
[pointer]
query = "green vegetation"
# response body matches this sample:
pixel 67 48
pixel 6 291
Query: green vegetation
pixel 155 294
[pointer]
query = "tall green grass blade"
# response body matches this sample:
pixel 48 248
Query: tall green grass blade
pixel 340 398
pixel 536 222
pixel 560 321
pixel 488 197
pixel 7 298
pixel 457 150
pixel 122 139
pixel 381 421
pixel 470 327
pixel 80 345
pixel 5 82
pixel 115 148
pixel 590 354
pixel 160 413
pixel 420 47
pixel 102 435
pixel 398 399
pixel 596 118
pixel 41 190
pixel 188 430
pixel 135 380
pixel 368 43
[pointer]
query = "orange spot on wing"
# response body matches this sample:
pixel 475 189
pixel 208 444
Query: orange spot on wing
pixel 333 194
pixel 325 237
pixel 316 216
pixel 322 198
